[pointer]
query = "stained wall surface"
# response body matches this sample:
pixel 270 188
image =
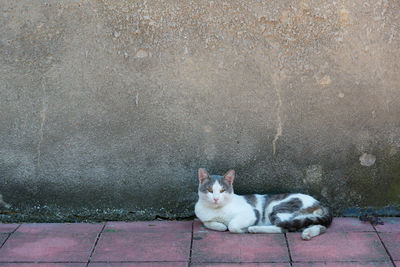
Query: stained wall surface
pixel 108 108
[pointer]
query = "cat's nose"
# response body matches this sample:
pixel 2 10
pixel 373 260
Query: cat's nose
pixel 216 200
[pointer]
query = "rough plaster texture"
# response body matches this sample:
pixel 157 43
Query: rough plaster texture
pixel 107 108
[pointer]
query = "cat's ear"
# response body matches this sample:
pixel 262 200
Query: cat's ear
pixel 203 174
pixel 229 176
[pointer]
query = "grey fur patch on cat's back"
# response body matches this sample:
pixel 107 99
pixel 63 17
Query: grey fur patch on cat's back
pixel 277 197
pixel 251 199
pixel 289 206
pixel 264 206
pixel 257 214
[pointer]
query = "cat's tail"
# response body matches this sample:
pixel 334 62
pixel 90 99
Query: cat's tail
pixel 319 216
pixel 325 218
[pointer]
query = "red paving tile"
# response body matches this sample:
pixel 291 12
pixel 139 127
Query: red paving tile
pixel 343 264
pixel 224 247
pixel 242 264
pixel 144 241
pixel 150 226
pixel 391 225
pixel 392 243
pixel 43 264
pixel 348 243
pixel 337 246
pixel 50 243
pixel 7 228
pixel 349 225
pixel 141 264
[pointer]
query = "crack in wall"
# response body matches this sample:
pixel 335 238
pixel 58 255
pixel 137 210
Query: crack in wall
pixel 279 129
pixel 3 203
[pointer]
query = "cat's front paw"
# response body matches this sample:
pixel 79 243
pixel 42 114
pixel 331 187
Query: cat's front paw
pixel 216 226
pixel 252 229
pixel 237 229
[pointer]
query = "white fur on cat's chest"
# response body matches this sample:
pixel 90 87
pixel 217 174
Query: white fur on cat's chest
pixel 206 214
pixel 224 214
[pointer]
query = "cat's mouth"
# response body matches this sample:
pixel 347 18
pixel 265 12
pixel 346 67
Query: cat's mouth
pixel 217 203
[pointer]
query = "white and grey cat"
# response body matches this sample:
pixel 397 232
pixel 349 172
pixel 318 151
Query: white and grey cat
pixel 220 209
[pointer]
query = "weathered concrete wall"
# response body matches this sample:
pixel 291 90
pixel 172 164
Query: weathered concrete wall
pixel 107 108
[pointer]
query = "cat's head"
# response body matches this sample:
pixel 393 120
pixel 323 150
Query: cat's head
pixel 214 189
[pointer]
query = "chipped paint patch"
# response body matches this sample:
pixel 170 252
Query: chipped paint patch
pixel 313 174
pixel 141 53
pixel 326 80
pixel 367 159
pixel 3 203
pixel 344 16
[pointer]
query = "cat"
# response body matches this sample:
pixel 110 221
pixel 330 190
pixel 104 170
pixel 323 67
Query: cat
pixel 220 209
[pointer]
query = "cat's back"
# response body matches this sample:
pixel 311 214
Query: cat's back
pixel 307 199
pixel 255 201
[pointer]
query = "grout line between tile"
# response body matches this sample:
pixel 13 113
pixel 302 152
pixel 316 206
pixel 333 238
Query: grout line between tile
pixel 384 246
pixel 95 244
pixel 191 246
pixel 38 262
pixel 10 235
pixel 288 248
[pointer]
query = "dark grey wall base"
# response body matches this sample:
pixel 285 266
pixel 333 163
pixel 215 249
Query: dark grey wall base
pixel 55 214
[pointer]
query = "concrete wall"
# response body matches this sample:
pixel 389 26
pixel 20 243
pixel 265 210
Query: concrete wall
pixel 108 108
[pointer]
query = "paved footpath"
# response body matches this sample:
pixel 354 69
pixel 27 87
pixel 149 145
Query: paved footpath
pixel 348 242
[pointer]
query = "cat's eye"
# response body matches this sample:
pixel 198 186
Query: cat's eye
pixel 210 190
pixel 222 190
